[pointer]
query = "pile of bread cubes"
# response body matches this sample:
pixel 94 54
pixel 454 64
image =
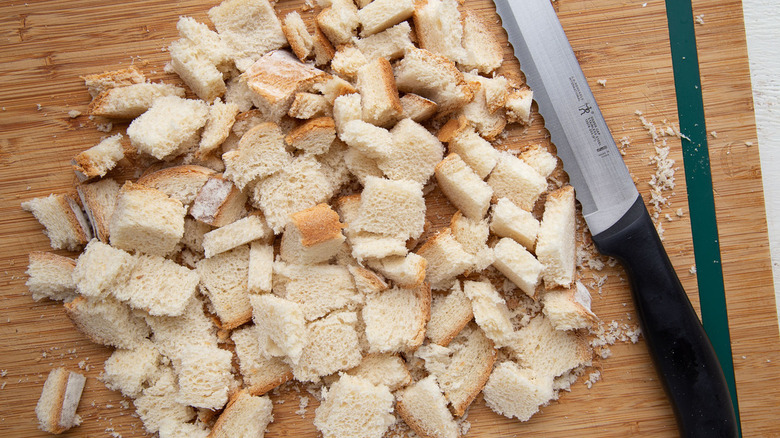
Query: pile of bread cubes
pixel 278 229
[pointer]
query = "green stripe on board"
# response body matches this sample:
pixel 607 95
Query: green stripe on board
pixel 701 203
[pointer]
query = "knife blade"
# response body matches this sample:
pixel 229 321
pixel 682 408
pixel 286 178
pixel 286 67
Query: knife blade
pixel 618 219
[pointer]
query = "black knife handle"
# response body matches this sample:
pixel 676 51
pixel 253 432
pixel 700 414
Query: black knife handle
pixel 681 350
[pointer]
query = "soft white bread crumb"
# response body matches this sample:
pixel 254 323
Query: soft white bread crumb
pixel 312 236
pixel 99 159
pixel 509 220
pixel 246 415
pixel 439 28
pixel 512 178
pixel 280 324
pixel 179 182
pixel 260 372
pixel 518 265
pixel 233 235
pixel 414 154
pixel 379 95
pixel 463 187
pixel 450 312
pixel 315 136
pixel 417 107
pixel 518 106
pixel 99 200
pixel 63 220
pixel 50 276
pixel 556 246
pixel 405 271
pixel 158 286
pixel 130 101
pixel 146 220
pixel 319 289
pixel 517 392
pixel 474 150
pixel 261 267
pixel 223 278
pixel 368 246
pixel 260 153
pixel 249 28
pixel 334 167
pixel 390 44
pixel 323 49
pixel 221 119
pixel 107 321
pixel 383 369
pixel 169 128
pixel 488 122
pixel 128 371
pixel 353 408
pixel 550 352
pixel 157 404
pixel 373 141
pixel 301 41
pixel 569 309
pixel 424 408
pixel 101 268
pixel 396 318
pixel 381 14
pixel 366 281
pixel 173 336
pixel 331 345
pixel 472 235
pixel 199 57
pixel 309 105
pixel 483 51
pixel 339 22
pixel 56 408
pixel 204 377
pixel 490 311
pixel 392 208
pixel 218 203
pixel 347 61
pixel 346 108
pixel 100 82
pixel 333 87
pixel 446 259
pixel 174 429
pixel 361 165
pixel 540 159
pixel 433 77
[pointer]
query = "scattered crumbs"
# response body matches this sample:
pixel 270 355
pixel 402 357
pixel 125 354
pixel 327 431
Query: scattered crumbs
pixel 692 270
pixel 93 403
pixel 680 212
pixel 748 143
pixel 593 378
pixel 304 402
pixel 38 106
pixel 82 364
pixel 279 402
pixel 74 113
pixel 668 217
pixel 625 304
pixel 768 360
pixel 44 354
pixel 744 357
pixel 307 5
pixel 168 68
pixel 3 373
pixel 125 404
pixel 113 433
pixel 109 406
pixel 699 19
pixel 644 5
pixel 714 134
pixel 3 385
pixel 602 82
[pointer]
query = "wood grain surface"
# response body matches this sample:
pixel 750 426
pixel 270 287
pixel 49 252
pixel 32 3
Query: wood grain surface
pixel 46 45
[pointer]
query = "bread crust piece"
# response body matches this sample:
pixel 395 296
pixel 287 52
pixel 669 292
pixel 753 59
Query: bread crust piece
pixel 50 276
pixel 555 245
pixel 56 408
pixel 423 407
pixel 64 222
pixel 245 415
pixel 312 235
pixel 99 159
pixel 376 83
pixel 433 77
pixel 449 315
pixel 99 200
pixel 218 202
pixel 179 182
pixel 314 136
pixel 99 82
pixel 301 41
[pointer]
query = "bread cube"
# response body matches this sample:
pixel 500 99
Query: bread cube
pixel 312 236
pixel 381 14
pixel 99 159
pixel 353 408
pixel 158 286
pixel 509 220
pixel 515 180
pixel 107 321
pixel 556 245
pixel 204 377
pixel 547 351
pixel 64 223
pixel 483 51
pixel 540 159
pixel 314 137
pixel 260 372
pixel 423 407
pixel 199 57
pixel 101 268
pixel 170 127
pixel 319 289
pixel 376 83
pixel 490 311
pixel 392 208
pixel 517 392
pixel 450 313
pixel 383 369
pixel 390 44
pixel 395 319
pixel 518 265
pixel 261 152
pixel 463 187
pixel 261 267
pixel 439 28
pixel 569 309
pixel 434 77
pixel 99 200
pixel 222 116
pixel 233 235
pixel 246 415
pixel 280 325
pixel 414 155
pixel 179 182
pixel 446 259
pixel 331 345
pixel 218 203
pixel 50 276
pixel 518 106
pixel 130 101
pixel 301 41
pixel 223 278
pixel 417 107
pixel 405 271
pixel 56 408
pixel 128 370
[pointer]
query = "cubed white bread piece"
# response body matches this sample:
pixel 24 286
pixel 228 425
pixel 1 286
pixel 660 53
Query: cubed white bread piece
pixel 107 321
pixel 339 22
pixel 515 180
pixel 170 127
pixel 130 101
pixel 300 185
pixel 483 51
pixel 463 368
pixel 518 106
pixel 556 246
pixel 158 286
pixel 128 370
pixel 406 271
pixel 178 182
pixel 434 77
pixel 218 203
pixel 99 200
pixel 323 49
pixel 146 220
pixel 63 220
pixel 518 265
pixel 417 107
pixel 309 105
pixel 474 150
pixel 360 165
pixel 260 153
pixel 319 289
pixel 540 159
pixel 463 187
pixel 157 404
pixel 174 336
pixel 390 44
pixel 346 108
pixel 368 246
pixel 99 159
pixel 450 312
pixel 414 155
pixel 446 259
pixel 260 372
pixel 569 309
pixel 261 267
pixel 517 392
pixel 200 57
pixel 301 41
pixel 193 235
pixel 50 276
pixel 487 122
pixel 548 351
pixel 424 408
pixel 222 116
pixel 249 28
pixel 275 78
pixel 396 318
pixel 439 28
pixel 314 136
pixel 472 235
pixel 509 220
pixel 353 408
pixel 333 87
pixel 204 377
pixel 246 415
pixel 382 14
pixel 490 311
pixel 331 345
pixel 392 208
pixel 367 282
pixel 347 61
pixel 280 325
pixel 383 369
pixel 373 141
pixel 334 167
pixel 312 236
pixel 56 408
pixel 101 268
pixel 233 235
pixel 100 82
pixel 379 95
pixel 223 277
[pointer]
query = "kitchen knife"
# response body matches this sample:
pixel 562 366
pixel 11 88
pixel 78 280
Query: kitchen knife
pixel 618 220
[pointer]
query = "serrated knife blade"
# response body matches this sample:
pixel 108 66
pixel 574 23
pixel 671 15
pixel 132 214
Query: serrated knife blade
pixel 618 219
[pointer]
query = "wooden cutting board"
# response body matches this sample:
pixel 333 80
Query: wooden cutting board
pixel 46 45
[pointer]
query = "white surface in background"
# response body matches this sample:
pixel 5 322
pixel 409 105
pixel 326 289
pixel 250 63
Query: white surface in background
pixel 762 18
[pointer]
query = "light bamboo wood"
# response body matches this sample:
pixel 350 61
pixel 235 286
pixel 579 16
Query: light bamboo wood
pixel 46 45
